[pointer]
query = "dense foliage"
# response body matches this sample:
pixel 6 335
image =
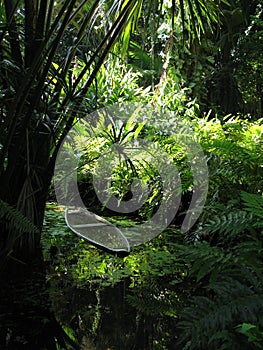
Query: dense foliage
pixel 200 289
pixel 202 61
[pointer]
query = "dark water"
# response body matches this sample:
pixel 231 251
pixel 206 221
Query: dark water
pixel 80 297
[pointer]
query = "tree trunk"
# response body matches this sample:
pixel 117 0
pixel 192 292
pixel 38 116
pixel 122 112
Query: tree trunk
pixel 26 321
pixel 26 181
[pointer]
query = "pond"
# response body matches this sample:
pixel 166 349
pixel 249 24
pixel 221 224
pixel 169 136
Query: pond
pixel 105 302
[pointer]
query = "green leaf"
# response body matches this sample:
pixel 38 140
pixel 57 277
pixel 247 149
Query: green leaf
pixel 244 328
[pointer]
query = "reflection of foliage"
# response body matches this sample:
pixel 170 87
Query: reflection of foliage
pixel 205 284
pixel 212 287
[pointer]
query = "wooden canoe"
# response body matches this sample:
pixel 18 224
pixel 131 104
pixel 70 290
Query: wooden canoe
pixel 97 231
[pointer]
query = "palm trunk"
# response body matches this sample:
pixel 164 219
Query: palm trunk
pixel 26 182
pixel 26 320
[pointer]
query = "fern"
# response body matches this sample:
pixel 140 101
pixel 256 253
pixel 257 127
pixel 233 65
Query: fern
pixel 229 224
pixel 15 219
pixel 228 276
pixel 234 154
pixel 206 317
pixel 229 291
pixel 151 304
pixel 253 203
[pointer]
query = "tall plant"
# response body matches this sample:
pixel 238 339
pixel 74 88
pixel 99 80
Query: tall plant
pixel 41 95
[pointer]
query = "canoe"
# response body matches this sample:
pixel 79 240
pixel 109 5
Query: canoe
pixel 97 231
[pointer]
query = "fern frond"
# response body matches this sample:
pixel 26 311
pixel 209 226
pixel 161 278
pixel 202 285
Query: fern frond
pixel 203 259
pixel 15 219
pixel 233 162
pixel 206 316
pixel 253 203
pixel 229 224
pixel 249 254
pixel 150 304
pixel 229 284
pixel 153 299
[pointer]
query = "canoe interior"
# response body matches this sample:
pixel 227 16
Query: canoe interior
pixel 96 230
